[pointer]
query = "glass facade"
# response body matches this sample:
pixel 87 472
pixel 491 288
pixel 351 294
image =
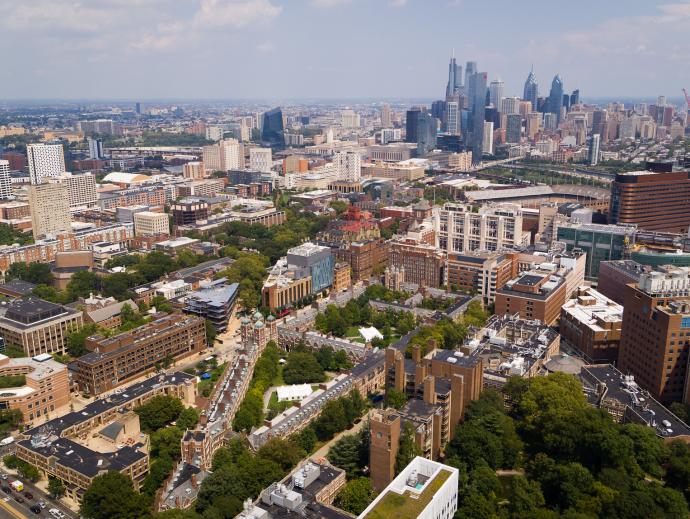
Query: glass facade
pixel 272 128
pixel 599 245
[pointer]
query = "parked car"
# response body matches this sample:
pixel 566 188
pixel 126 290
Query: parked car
pixel 29 495
pixel 35 509
pixel 56 513
pixel 19 499
pixel 7 490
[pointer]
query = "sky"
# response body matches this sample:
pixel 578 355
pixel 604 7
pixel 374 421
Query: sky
pixel 345 49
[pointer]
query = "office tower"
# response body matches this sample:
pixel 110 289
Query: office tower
pixel 566 102
pixel 427 126
pixel 470 69
pixel 5 180
pixel 45 160
pixel 95 148
pixel 599 118
pixel 211 158
pixel 496 92
pixel 531 90
pixel 452 118
pixel 594 145
pixel 533 124
pixel 81 189
pixel 438 108
pixel 492 228
pixel 411 125
pixel 661 101
pixel 556 98
pixel 137 108
pixel 349 119
pixel 550 121
pixel 149 223
pixel 348 165
pixel 386 116
pixel 194 170
pixel 509 105
pixel 272 127
pixel 454 78
pixel 654 201
pixel 488 141
pixel 654 342
pixel 49 203
pixel 478 104
pixel 575 97
pixel 667 116
pixel 260 159
pixel 513 128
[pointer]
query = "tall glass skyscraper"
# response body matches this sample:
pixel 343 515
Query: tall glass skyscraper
pixel 411 123
pixel 454 78
pixel 272 127
pixel 556 97
pixel 477 85
pixel 426 133
pixel 531 90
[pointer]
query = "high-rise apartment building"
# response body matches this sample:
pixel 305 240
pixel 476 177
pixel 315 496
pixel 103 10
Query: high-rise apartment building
pixel 81 189
pixel 556 98
pixel 655 339
pixel 654 201
pixel 349 119
pixel 427 126
pixel 594 147
pixel 45 160
pixel 95 148
pixel 510 105
pixel 452 117
pixel 533 124
pixel 348 165
pixel 477 105
pixel 5 180
pixel 386 121
pixel 488 141
pixel 493 228
pixel 49 203
pixel 513 128
pixel 260 159
pixel 194 170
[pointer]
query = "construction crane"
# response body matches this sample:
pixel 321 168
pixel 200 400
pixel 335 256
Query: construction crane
pixel 687 98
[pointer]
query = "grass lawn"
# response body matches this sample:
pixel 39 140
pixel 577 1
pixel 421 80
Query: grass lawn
pixel 275 407
pixel 205 387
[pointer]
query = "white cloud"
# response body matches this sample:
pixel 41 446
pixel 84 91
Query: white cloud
pixel 325 4
pixel 232 13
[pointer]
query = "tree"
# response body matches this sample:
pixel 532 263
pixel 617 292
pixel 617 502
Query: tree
pixel 158 412
pixel 305 439
pixel 281 452
pixel 76 340
pixel 346 454
pixel 111 496
pixel 210 333
pixel 83 283
pixel 407 447
pixel 394 398
pixel 39 274
pixel 525 497
pixel 56 488
pixel 356 495
pixel 302 367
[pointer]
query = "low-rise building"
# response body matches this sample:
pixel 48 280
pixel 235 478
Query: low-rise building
pixel 106 312
pixel 113 361
pixel 535 294
pixel 46 386
pixel 38 326
pixel 213 301
pixel 148 223
pixel 592 324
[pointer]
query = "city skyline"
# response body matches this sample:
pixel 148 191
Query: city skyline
pixel 224 49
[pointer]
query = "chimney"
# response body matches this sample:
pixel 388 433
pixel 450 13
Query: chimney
pixel 194 482
pixel 417 354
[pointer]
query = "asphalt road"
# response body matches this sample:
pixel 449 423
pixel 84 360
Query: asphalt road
pixel 11 509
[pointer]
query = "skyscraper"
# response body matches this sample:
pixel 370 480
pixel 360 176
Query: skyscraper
pixel 454 78
pixel 594 145
pixel 272 127
pixel 488 141
pixel 496 92
pixel 477 84
pixel 513 128
pixel 556 98
pixel 95 148
pixel 45 160
pixel 575 97
pixel 49 204
pixel 531 90
pixel 385 115
pixel 470 69
pixel 452 117
pixel 426 133
pixel 411 125
pixel 5 181
pixel 348 165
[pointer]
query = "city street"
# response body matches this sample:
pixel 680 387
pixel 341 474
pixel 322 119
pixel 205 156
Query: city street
pixel 11 508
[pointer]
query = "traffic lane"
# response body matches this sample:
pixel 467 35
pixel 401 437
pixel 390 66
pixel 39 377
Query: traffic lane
pixel 9 510
pixel 38 495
